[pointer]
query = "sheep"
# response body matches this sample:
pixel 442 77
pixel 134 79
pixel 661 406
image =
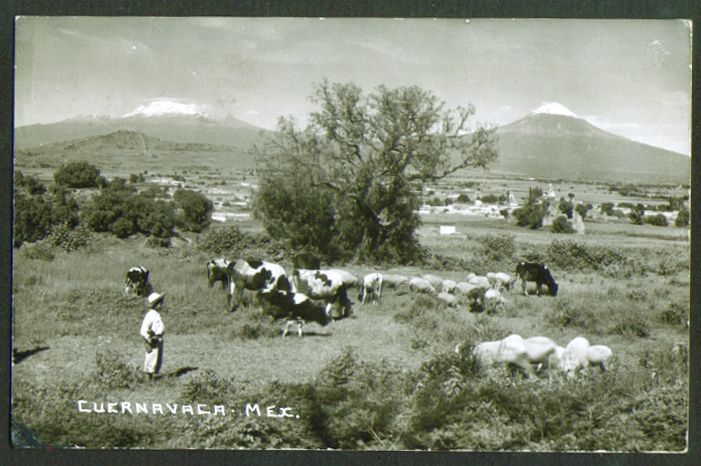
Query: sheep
pixel 447 299
pixel 421 286
pixel 516 352
pixel 463 287
pixel 579 355
pixel 480 281
pixel 449 286
pixel 394 281
pixel 435 281
pixel 501 280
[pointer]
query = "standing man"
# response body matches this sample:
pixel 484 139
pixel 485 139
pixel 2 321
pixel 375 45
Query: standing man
pixel 152 329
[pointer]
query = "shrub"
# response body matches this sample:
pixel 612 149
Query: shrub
pixel 682 219
pixel 77 175
pixel 566 314
pixel 463 198
pixel 637 214
pixel 500 247
pixel 69 239
pixel 675 313
pixel 196 210
pixel 156 242
pixel 606 208
pixel 582 210
pixel 562 225
pixel 658 220
pixel 631 325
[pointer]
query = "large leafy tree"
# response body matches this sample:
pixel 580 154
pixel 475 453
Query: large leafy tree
pixel 348 184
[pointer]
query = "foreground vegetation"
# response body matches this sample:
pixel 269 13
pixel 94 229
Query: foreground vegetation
pixel 387 378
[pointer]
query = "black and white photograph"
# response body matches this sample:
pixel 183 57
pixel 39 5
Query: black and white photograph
pixel 364 234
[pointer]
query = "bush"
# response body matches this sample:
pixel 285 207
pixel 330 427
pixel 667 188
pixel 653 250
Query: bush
pixel 566 314
pixel 69 239
pixel 196 210
pixel 682 219
pixel 631 325
pixel 607 208
pixel 562 225
pixel 675 313
pixel 498 247
pixel 77 175
pixel 112 373
pixel 463 198
pixel 658 220
pixel 637 214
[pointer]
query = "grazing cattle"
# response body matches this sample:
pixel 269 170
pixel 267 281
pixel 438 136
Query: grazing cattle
pixel 137 282
pixel 479 280
pixel 449 286
pixel 435 281
pixel 516 353
pixel 420 285
pixel 217 270
pixel 306 260
pixel 447 299
pixel 538 273
pixel 255 276
pixel 372 288
pixel 293 307
pixel 394 281
pixel 327 285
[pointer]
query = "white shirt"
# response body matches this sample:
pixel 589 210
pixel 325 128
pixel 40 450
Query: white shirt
pixel 152 321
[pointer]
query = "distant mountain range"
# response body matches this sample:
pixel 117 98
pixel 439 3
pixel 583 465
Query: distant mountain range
pixel 550 143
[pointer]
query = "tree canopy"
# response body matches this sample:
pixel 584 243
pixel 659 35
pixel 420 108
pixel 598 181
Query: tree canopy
pixel 348 185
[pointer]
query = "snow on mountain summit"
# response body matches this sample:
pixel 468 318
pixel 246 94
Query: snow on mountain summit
pixel 554 108
pixel 167 108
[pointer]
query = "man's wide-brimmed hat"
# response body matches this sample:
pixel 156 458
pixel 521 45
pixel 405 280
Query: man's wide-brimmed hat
pixel 155 298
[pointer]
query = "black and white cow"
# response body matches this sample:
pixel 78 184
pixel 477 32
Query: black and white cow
pixel 137 282
pixel 327 285
pixel 254 275
pixel 538 273
pixel 293 307
pixel 217 270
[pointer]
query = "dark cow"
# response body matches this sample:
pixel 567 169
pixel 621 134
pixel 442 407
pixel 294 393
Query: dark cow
pixel 538 273
pixel 137 282
pixel 293 307
pixel 217 270
pixel 327 285
pixel 254 275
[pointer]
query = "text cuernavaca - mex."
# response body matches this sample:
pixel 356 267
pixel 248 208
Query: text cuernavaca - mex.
pixel 199 409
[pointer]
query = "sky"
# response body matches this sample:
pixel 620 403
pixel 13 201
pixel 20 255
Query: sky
pixel 629 77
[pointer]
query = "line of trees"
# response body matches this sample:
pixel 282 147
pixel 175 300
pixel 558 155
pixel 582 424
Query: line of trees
pixel 117 207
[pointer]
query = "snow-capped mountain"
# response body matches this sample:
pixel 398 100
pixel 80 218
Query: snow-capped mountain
pixel 166 119
pixel 553 108
pixel 553 142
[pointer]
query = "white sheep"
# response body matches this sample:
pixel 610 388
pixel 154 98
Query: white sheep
pixel 421 286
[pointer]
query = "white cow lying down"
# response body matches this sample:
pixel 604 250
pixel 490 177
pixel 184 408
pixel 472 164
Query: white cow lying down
pixel 514 351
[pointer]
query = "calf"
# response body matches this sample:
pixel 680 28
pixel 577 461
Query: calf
pixel 293 307
pixel 217 270
pixel 372 288
pixel 137 282
pixel 538 273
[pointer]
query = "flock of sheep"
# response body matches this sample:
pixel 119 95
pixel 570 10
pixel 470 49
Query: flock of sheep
pixel 536 355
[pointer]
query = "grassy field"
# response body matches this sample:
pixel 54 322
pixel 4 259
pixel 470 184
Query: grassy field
pixel 388 377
